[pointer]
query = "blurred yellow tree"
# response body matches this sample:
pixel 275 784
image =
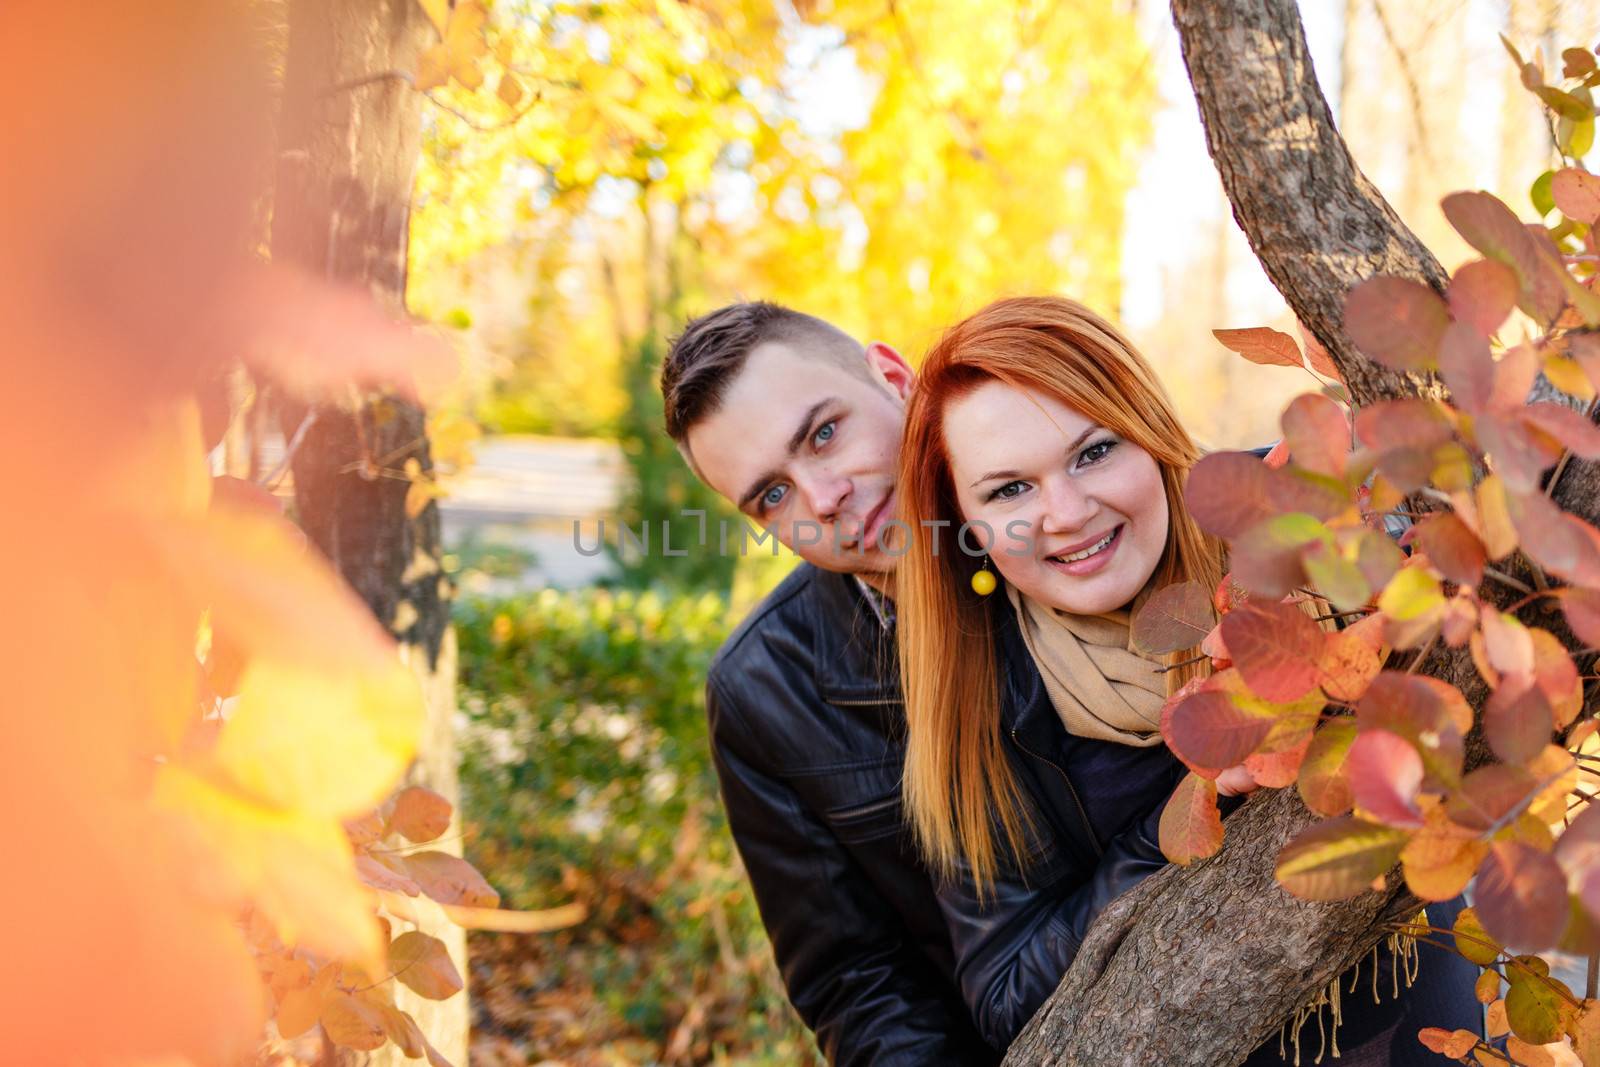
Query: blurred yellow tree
pixel 623 163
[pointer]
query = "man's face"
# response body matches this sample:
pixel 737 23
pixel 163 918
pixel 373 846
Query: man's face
pixel 809 447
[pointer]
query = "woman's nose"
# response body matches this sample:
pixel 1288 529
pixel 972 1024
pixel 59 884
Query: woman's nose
pixel 1066 507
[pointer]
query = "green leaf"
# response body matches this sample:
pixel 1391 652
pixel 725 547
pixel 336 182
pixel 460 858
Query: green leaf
pixel 1575 138
pixel 1536 1012
pixel 1338 858
pixel 1543 199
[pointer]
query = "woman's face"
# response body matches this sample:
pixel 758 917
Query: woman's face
pixel 1094 508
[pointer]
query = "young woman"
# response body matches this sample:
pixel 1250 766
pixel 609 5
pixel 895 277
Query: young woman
pixel 1035 771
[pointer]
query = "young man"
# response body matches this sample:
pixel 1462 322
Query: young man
pixel 799 426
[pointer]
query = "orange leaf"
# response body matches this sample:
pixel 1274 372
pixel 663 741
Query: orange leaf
pixel 1324 777
pixel 1191 826
pixel 420 814
pixel 353 1023
pixel 451 880
pixel 423 963
pixel 1263 345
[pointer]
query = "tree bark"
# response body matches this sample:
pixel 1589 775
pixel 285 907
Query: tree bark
pixel 347 160
pixel 1199 965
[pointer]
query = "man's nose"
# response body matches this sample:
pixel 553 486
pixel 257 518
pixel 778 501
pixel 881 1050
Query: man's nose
pixel 1067 508
pixel 825 494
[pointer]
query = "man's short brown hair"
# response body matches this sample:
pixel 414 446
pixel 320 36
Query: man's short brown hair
pixel 705 359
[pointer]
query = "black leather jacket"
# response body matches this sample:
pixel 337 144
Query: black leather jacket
pixel 807 732
pixel 1095 810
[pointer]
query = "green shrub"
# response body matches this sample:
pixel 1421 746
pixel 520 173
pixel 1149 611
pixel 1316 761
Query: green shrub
pixel 585 774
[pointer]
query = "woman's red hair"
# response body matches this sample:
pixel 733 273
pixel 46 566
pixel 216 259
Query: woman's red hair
pixel 958 785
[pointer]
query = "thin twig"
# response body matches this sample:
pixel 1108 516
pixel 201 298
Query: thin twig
pixel 1506 579
pixel 271 481
pixel 1183 663
pixel 1427 649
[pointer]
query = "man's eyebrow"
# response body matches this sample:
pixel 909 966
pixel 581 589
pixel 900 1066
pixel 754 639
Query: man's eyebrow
pixel 796 439
pixel 1071 448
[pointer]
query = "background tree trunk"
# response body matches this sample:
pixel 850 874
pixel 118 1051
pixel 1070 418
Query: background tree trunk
pixel 1198 966
pixel 347 159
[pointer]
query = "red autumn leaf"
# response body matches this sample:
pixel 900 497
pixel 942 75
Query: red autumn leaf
pixel 1276 647
pixel 423 963
pixel 1317 355
pixel 1516 451
pixel 1562 544
pixel 1506 643
pixel 1490 227
pixel 378 876
pixel 1349 663
pixel 1577 193
pixel 1207 729
pixel 1578 853
pixel 1317 495
pixel 1556 676
pixel 1385 777
pixel 1175 617
pixel 1572 429
pixel 1460 620
pixel 1410 423
pixel 1514 374
pixel 1339 858
pixel 1453 1043
pixel 1187 690
pixel 451 880
pixel 1467 367
pixel 1452 548
pixel 1489 794
pixel 1275 770
pixel 1521 896
pixel 1324 773
pixel 1482 293
pixel 1227 493
pixel 1318 434
pixel 420 814
pixel 1396 321
pixel 1431 714
pixel 1582 609
pixel 1260 344
pixel 1191 826
pixel 1517 722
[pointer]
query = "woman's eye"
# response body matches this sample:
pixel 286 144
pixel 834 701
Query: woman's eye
pixel 1095 453
pixel 824 433
pixel 772 497
pixel 1009 491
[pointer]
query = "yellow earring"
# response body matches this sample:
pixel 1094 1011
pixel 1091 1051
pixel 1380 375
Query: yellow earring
pixel 983 581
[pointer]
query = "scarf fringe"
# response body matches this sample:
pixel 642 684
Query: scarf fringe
pixel 1407 957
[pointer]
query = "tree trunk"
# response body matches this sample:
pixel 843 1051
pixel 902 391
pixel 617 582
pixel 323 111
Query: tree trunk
pixel 347 159
pixel 1198 966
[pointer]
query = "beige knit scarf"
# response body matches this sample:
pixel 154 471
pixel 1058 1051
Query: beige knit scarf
pixel 1100 687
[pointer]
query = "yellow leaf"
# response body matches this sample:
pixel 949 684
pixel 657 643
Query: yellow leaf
pixel 1411 594
pixel 1441 858
pixel 320 741
pixel 296 870
pixel 438 13
pixel 510 90
pixel 1566 375
pixel 1494 518
pixel 433 68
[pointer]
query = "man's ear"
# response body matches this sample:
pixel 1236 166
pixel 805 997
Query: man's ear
pixel 892 367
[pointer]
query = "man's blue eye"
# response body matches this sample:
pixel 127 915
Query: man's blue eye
pixel 1009 491
pixel 824 433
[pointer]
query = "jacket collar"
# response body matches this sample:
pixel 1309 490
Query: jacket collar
pixel 854 655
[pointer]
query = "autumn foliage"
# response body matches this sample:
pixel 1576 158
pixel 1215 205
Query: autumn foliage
pixel 1369 537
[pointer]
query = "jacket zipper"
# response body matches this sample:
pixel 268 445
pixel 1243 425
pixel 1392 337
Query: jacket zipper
pixel 1071 789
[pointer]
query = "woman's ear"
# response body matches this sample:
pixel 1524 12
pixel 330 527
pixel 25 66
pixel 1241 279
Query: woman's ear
pixel 892 367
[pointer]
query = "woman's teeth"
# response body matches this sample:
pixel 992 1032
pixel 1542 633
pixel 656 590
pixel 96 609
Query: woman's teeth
pixel 1086 553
